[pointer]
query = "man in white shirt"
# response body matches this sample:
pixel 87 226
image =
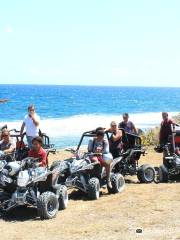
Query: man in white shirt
pixel 31 123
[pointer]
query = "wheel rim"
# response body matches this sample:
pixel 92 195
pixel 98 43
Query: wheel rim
pixel 120 184
pixel 149 174
pixel 65 199
pixel 51 207
pixel 97 191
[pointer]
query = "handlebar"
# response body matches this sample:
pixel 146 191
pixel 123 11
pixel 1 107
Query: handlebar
pixel 53 151
pixel 29 161
pixel 72 150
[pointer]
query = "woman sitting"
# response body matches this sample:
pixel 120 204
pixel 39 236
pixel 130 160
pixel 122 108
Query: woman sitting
pixel 100 147
pixel 7 146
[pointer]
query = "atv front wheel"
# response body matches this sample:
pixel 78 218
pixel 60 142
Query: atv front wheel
pixel 47 205
pixel 93 188
pixel 63 197
pixel 146 174
pixel 117 182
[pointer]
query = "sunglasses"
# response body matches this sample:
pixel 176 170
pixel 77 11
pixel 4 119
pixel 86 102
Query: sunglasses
pixel 6 135
pixel 113 125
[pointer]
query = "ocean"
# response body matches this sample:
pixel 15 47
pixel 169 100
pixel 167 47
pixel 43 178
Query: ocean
pixel 67 111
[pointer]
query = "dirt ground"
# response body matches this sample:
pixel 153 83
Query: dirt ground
pixel 153 208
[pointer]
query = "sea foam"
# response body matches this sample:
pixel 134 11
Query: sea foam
pixel 66 131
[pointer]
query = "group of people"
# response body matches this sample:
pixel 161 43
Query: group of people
pixel 107 150
pixel 103 150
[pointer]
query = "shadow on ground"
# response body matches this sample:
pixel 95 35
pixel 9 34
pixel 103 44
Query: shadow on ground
pixel 20 214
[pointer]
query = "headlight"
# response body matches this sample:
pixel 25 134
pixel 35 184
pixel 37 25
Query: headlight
pixel 23 179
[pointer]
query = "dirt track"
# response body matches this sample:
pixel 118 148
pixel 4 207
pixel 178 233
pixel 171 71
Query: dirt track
pixel 153 208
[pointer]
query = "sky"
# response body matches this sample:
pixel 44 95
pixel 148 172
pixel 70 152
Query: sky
pixel 90 42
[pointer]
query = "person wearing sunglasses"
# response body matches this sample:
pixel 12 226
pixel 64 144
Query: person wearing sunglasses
pixel 31 124
pixel 7 146
pixel 115 140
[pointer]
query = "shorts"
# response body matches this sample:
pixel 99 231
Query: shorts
pixel 107 157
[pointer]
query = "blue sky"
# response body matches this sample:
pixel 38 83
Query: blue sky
pixel 90 42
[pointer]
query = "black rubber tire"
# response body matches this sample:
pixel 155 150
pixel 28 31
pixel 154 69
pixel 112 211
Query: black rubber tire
pixel 62 194
pixel 117 182
pixel 93 188
pixel 47 200
pixel 163 174
pixel 142 174
pixel 4 196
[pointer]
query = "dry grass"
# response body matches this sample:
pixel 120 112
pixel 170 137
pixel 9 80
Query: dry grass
pixel 153 208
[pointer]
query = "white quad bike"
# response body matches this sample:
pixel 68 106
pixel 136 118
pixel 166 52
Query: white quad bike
pixel 25 184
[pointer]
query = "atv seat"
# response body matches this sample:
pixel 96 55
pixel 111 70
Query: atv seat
pixel 130 140
pixel 174 139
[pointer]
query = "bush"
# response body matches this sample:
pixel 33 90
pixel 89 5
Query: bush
pixel 150 137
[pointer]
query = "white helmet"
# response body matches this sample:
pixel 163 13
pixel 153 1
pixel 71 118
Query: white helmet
pixel 13 168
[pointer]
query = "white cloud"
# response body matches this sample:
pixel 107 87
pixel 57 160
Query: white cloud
pixel 8 29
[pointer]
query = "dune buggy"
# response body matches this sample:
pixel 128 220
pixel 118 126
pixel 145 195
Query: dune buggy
pixel 81 173
pixel 128 158
pixel 170 169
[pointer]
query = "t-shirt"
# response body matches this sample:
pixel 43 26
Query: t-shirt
pixel 5 146
pixel 115 144
pixel 128 127
pixel 31 129
pixel 100 147
pixel 165 131
pixel 41 154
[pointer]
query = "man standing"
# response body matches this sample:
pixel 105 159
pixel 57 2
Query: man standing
pixel 127 125
pixel 31 123
pixel 165 130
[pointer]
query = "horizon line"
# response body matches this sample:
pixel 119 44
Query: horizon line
pixel 88 85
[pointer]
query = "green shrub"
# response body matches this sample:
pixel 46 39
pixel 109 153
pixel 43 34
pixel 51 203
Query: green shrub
pixel 150 137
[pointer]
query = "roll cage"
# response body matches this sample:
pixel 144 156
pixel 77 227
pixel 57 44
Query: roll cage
pixel 129 140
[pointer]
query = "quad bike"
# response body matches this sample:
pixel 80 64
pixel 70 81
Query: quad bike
pixel 89 177
pixel 24 184
pixel 170 169
pixel 128 158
